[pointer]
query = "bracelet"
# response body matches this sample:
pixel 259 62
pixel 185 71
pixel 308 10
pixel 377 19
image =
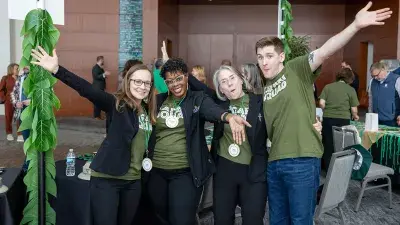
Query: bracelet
pixel 224 116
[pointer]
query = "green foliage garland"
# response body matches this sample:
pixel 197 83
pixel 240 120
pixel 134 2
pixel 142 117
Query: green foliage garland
pixel 299 45
pixel 286 30
pixel 38 117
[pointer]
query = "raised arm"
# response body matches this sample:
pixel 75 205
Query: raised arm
pixel 101 99
pixel 364 18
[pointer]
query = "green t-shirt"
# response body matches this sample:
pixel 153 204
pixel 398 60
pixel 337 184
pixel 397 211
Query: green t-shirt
pixel 137 151
pixel 170 150
pixel 238 107
pixel 159 82
pixel 339 98
pixel 289 111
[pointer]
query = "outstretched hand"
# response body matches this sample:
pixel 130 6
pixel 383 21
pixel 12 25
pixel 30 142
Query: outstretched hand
pixel 49 63
pixel 164 52
pixel 365 18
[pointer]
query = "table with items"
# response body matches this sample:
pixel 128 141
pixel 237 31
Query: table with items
pixel 384 146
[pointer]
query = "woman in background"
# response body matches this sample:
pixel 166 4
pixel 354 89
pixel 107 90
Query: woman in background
pixel 199 73
pixel 6 87
pixel 252 74
pixel 339 102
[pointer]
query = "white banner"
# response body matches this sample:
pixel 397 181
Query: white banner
pixel 18 9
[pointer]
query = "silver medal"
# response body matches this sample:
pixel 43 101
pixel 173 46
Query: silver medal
pixel 234 150
pixel 147 164
pixel 172 121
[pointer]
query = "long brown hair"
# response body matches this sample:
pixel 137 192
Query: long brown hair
pixel 10 69
pixel 124 95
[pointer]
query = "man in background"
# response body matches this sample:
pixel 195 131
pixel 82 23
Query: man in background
pixel 159 82
pixel 99 81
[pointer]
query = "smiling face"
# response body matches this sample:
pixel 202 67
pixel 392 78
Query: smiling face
pixel 270 61
pixel 230 84
pixel 140 84
pixel 177 83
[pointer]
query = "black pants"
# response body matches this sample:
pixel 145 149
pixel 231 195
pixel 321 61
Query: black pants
pixel 113 201
pixel 174 197
pixel 232 188
pixel 327 138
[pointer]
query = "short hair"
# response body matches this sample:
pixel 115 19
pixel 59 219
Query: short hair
pixel 221 96
pixel 158 63
pixel 10 68
pixel 379 66
pixel 345 75
pixel 174 65
pixel 99 58
pixel 202 75
pixel 226 62
pixel 270 41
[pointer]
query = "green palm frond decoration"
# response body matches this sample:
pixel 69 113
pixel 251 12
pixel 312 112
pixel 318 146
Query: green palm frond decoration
pixel 286 30
pixel 38 117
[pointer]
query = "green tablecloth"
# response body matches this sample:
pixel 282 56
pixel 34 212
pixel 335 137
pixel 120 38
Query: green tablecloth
pixel 386 150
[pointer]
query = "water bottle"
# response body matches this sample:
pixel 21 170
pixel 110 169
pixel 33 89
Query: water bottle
pixel 70 170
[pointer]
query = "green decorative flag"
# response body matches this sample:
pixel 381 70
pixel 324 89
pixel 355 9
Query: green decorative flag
pixel 286 31
pixel 38 117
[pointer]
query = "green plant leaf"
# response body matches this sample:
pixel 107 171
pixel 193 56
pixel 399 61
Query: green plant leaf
pixel 32 20
pixel 43 101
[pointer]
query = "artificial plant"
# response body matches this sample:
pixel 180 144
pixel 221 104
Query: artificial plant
pixel 38 117
pixel 298 45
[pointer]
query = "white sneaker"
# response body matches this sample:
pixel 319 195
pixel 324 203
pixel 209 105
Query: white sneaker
pixel 10 137
pixel 20 138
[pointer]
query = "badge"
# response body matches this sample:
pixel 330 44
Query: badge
pixel 147 164
pixel 172 121
pixel 234 150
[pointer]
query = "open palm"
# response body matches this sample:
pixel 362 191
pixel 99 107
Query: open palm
pixel 365 18
pixel 49 63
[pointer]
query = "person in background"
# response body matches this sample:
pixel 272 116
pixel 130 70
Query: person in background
pixel 252 74
pixel 159 82
pixel 6 87
pixel 20 101
pixel 99 81
pixel 226 62
pixel 384 95
pixel 356 82
pixel 199 73
pixel 336 99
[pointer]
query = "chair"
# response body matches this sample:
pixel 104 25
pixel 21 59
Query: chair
pixel 336 184
pixel 344 137
pixel 206 199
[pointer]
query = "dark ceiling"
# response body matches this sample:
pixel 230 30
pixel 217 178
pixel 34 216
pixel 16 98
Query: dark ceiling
pixel 264 2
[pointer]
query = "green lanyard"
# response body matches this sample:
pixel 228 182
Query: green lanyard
pixel 146 131
pixel 176 103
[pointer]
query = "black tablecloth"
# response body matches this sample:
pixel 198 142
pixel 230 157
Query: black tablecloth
pixel 72 204
pixel 12 202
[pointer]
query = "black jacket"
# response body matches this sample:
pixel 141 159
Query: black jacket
pixel 114 155
pixel 98 80
pixel 196 109
pixel 256 134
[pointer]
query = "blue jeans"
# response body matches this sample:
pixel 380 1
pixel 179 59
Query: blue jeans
pixel 292 190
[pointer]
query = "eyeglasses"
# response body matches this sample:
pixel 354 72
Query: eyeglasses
pixel 225 82
pixel 172 81
pixel 374 76
pixel 139 83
